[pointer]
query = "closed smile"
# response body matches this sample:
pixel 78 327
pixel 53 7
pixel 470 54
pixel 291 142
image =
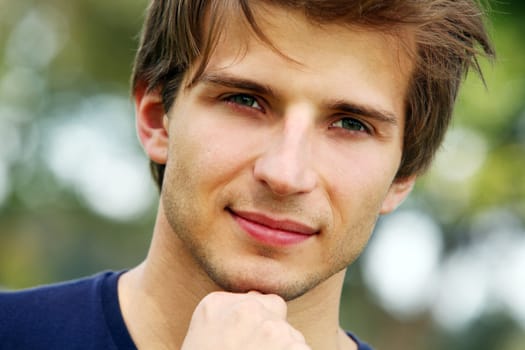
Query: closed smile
pixel 270 231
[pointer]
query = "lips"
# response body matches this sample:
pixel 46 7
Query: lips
pixel 271 231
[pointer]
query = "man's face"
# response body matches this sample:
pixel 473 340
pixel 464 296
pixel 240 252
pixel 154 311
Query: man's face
pixel 280 162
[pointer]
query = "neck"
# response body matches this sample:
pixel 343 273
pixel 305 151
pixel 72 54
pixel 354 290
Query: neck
pixel 316 315
pixel 159 296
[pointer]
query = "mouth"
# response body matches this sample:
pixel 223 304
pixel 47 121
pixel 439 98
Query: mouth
pixel 270 231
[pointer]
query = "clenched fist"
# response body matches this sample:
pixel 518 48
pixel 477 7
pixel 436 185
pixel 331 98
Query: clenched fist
pixel 251 321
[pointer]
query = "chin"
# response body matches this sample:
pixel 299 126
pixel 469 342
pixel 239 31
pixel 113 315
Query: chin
pixel 285 286
pixel 287 292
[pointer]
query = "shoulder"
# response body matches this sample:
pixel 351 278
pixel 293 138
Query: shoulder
pixel 52 300
pixel 53 315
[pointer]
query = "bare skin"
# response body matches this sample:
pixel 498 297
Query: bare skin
pixel 277 167
pixel 153 327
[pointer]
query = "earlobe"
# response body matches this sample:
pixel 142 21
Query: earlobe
pixel 398 192
pixel 151 127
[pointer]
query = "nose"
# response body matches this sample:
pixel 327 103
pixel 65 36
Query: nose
pixel 285 166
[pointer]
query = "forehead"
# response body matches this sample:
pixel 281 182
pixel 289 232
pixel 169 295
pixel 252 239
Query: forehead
pixel 266 22
pixel 345 57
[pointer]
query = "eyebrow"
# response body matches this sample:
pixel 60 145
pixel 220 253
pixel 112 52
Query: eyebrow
pixel 336 104
pixel 365 111
pixel 236 83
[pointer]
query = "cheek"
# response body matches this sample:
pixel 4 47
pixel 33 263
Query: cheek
pixel 356 190
pixel 362 174
pixel 354 220
pixel 228 141
pixel 208 152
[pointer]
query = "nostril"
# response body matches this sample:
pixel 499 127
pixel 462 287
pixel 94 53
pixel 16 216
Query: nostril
pixel 284 179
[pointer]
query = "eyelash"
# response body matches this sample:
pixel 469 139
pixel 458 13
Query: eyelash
pixel 363 127
pixel 233 99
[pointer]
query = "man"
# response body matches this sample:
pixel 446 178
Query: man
pixel 278 132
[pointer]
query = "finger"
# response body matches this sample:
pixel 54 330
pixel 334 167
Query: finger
pixel 298 336
pixel 272 302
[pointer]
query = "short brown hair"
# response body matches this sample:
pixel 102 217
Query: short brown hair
pixel 450 35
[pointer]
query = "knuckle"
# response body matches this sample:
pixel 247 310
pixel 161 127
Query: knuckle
pixel 272 329
pixel 248 309
pixel 277 301
pixel 209 305
pixel 275 304
pixel 214 297
pixel 297 335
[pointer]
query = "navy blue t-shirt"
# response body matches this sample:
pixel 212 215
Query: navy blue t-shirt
pixel 82 314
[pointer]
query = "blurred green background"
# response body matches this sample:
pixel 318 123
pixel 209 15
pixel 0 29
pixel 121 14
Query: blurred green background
pixel 447 271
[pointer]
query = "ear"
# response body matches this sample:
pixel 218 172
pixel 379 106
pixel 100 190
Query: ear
pixel 398 192
pixel 151 126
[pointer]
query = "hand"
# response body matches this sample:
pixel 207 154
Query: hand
pixel 251 321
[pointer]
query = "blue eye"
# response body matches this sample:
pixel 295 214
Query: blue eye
pixel 350 124
pixel 244 100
